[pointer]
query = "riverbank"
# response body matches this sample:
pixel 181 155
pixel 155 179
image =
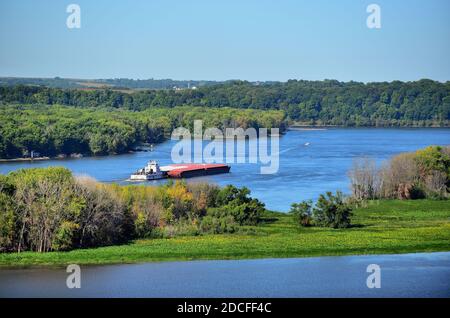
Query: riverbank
pixel 26 159
pixel 383 227
pixel 71 156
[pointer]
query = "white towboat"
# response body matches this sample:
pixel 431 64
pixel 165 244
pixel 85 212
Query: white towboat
pixel 150 172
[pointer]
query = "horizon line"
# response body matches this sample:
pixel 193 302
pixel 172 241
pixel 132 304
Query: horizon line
pixel 217 81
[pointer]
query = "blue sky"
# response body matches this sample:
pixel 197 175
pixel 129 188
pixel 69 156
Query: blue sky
pixel 232 39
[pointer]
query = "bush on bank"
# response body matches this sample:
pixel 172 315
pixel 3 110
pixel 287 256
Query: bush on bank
pixel 330 210
pixel 424 173
pixel 415 175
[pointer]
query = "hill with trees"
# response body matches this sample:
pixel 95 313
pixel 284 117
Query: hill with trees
pixel 62 130
pixel 329 102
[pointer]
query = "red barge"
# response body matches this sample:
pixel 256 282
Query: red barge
pixel 152 171
pixel 194 169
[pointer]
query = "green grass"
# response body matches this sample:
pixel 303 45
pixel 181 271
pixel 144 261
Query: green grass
pixel 381 227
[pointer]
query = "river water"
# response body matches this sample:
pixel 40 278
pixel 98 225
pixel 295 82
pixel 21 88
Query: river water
pixel 304 172
pixel 407 275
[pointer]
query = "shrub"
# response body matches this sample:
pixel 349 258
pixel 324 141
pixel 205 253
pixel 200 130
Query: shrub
pixel 218 225
pixel 230 194
pixel 244 214
pixel 364 178
pixel 332 211
pixel 399 176
pixel 237 203
pixel 424 173
pixel 183 227
pixel 302 213
pixel 248 213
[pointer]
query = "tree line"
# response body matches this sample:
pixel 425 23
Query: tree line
pixel 116 83
pixel 61 130
pixel 48 209
pixel 329 102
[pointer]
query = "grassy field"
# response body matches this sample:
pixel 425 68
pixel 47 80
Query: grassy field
pixel 381 227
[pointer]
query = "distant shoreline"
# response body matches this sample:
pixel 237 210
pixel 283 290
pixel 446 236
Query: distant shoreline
pixel 326 127
pixel 73 156
pixel 298 127
pixel 26 159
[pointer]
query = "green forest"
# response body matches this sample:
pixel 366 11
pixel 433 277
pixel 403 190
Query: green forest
pixel 46 209
pixel 65 121
pixel 328 102
pixel 61 130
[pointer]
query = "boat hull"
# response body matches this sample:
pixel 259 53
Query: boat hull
pixel 143 177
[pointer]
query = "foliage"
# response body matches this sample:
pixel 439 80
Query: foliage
pixel 43 199
pixel 331 211
pixel 61 130
pixel 302 212
pixel 65 235
pixel 7 222
pixel 235 202
pixel 144 207
pixel 416 175
pixel 434 158
pixel 101 214
pixel 419 103
pixel 365 179
pixel 47 209
pixel 218 225
pixel 420 226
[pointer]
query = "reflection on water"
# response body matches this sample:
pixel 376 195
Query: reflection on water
pixel 408 275
pixel 304 173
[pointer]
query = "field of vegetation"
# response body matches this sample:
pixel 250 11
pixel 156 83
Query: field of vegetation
pixel 388 226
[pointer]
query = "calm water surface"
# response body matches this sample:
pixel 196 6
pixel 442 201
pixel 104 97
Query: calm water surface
pixel 304 173
pixel 408 275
